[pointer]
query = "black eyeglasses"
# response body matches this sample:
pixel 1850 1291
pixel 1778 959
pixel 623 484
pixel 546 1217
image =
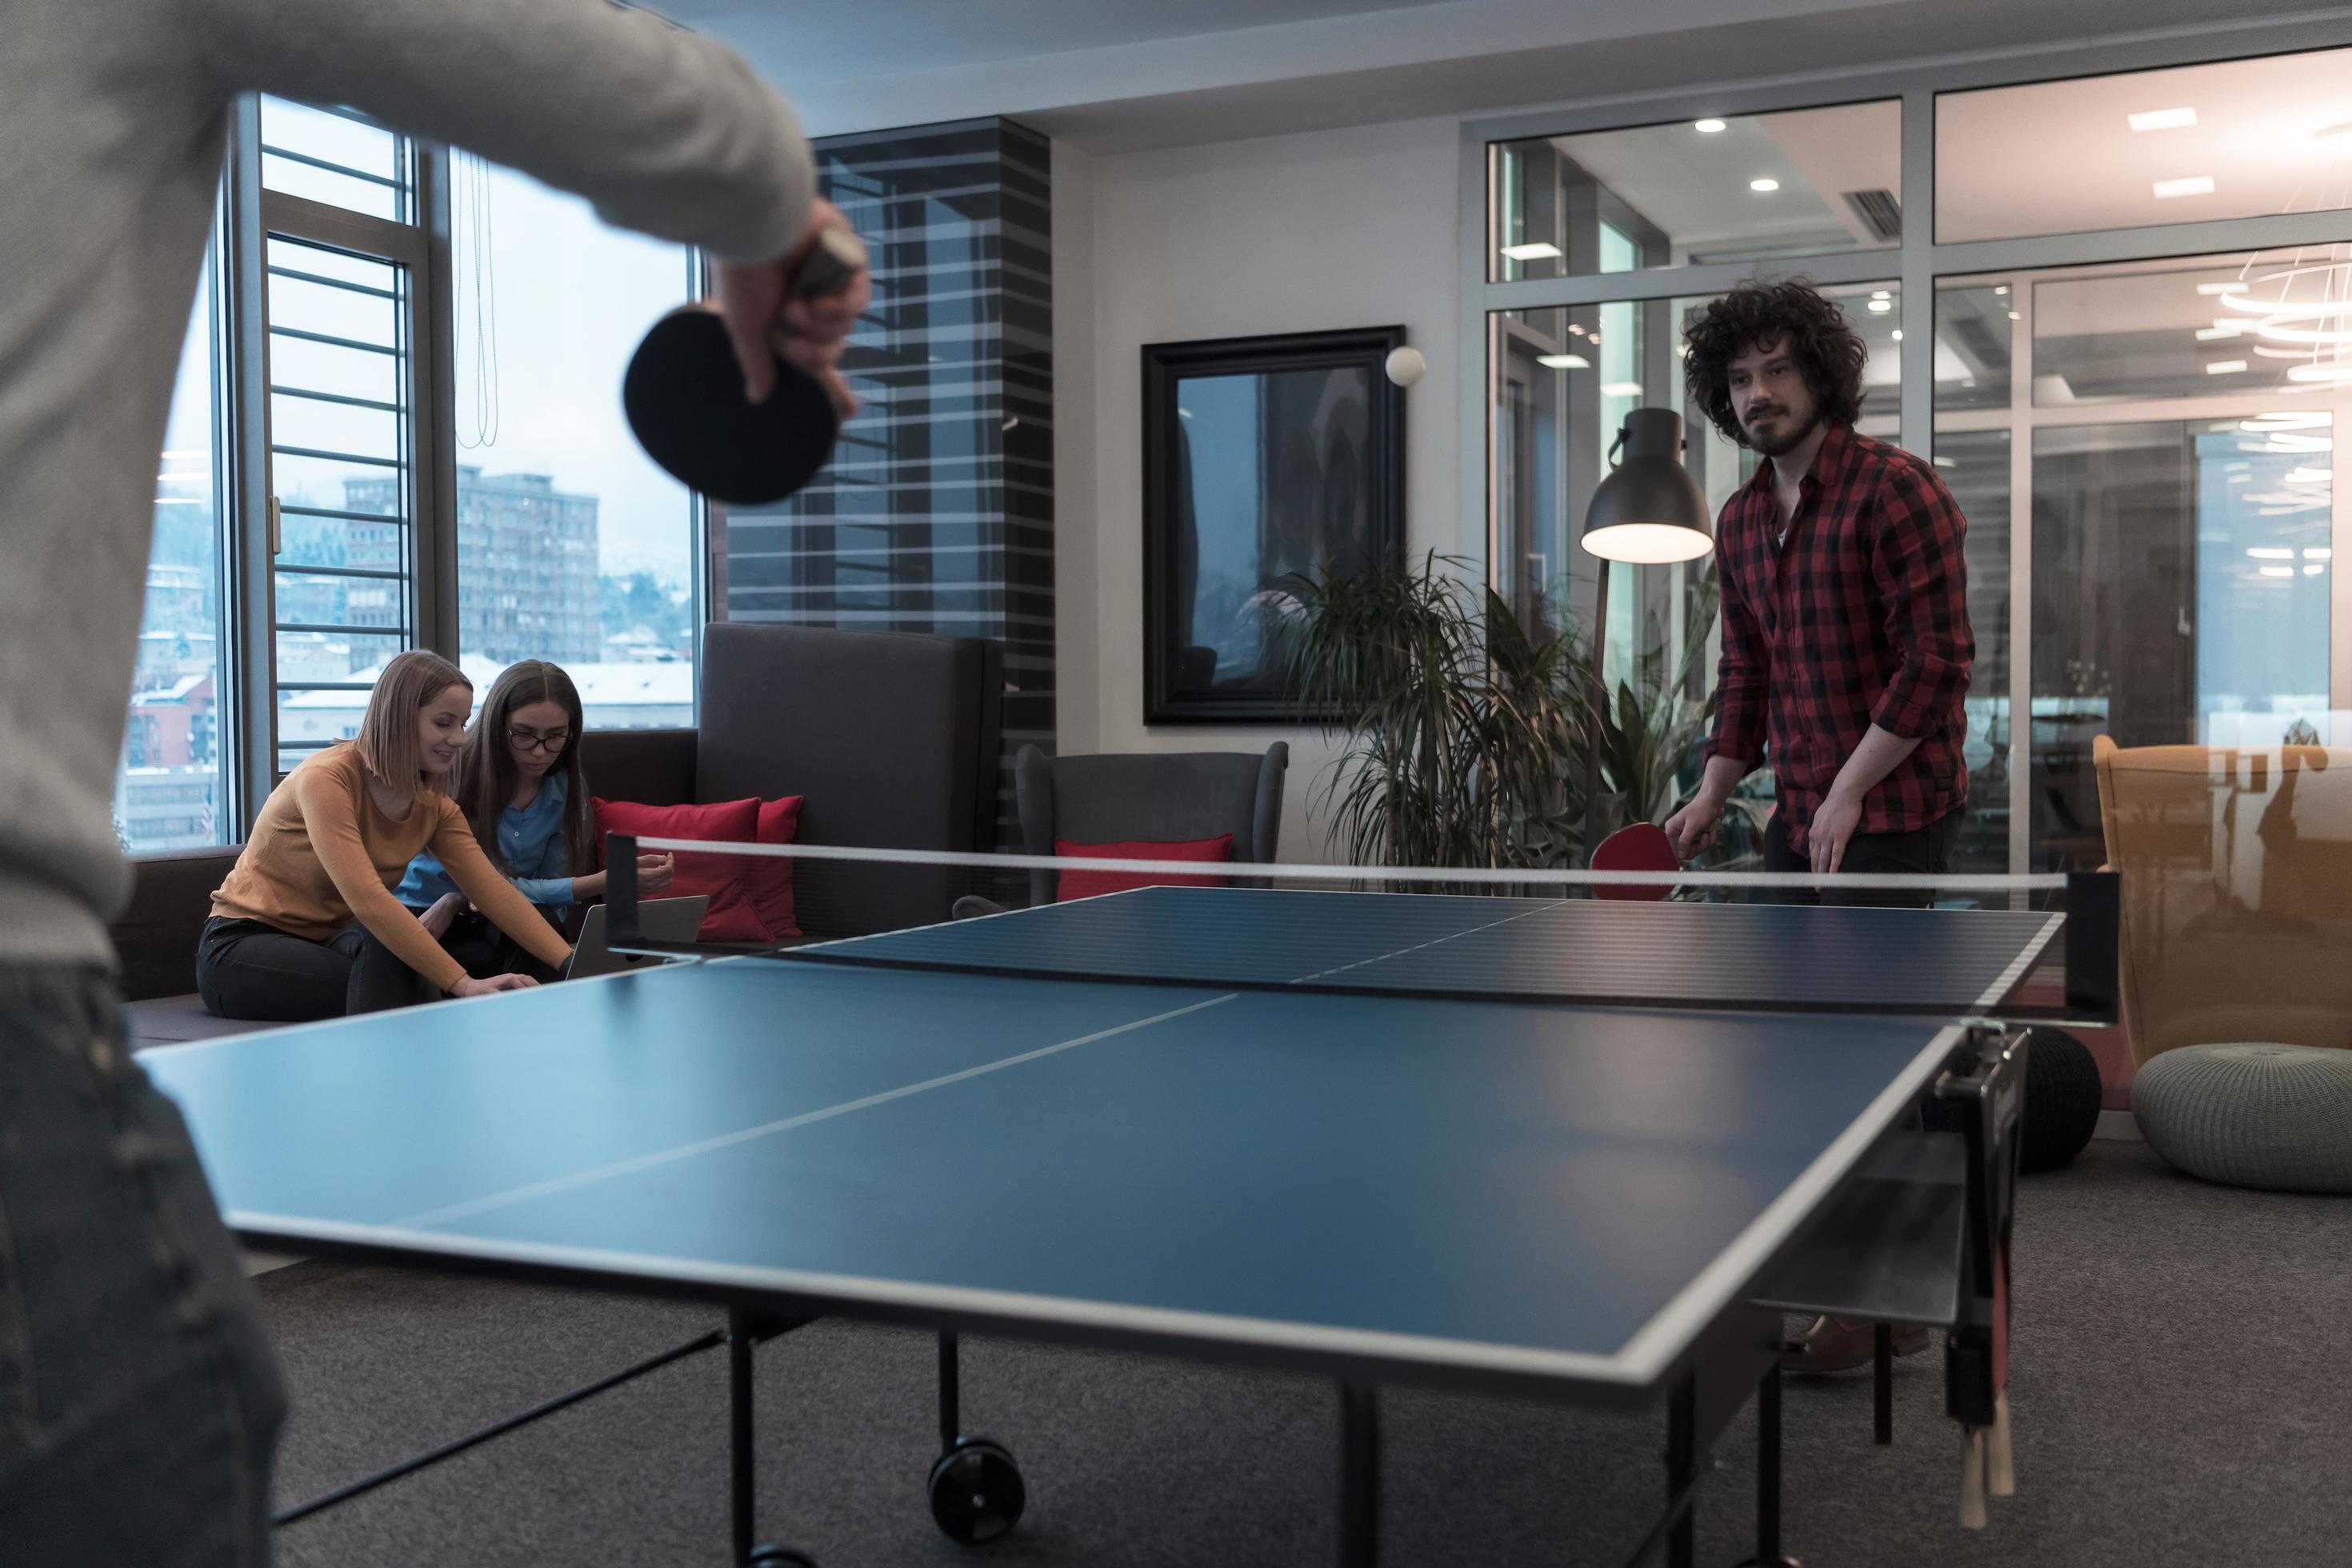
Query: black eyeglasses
pixel 530 740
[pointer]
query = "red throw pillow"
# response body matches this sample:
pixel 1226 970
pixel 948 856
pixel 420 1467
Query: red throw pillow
pixel 733 915
pixel 1090 884
pixel 771 880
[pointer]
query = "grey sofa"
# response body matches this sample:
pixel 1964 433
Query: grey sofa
pixel 1157 797
pixel 892 738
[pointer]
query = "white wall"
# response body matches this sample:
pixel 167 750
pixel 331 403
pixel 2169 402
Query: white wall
pixel 1305 232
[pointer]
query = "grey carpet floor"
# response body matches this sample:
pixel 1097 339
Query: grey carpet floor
pixel 2182 1386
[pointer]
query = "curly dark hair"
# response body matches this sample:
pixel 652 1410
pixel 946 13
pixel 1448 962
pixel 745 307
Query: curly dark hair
pixel 1829 352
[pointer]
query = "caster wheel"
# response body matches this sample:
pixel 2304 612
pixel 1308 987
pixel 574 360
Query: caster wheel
pixel 780 1557
pixel 977 1493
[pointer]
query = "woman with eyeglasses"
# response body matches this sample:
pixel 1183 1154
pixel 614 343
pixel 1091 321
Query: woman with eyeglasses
pixel 518 779
pixel 306 926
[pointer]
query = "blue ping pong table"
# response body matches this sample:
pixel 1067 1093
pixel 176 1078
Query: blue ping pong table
pixel 1358 1135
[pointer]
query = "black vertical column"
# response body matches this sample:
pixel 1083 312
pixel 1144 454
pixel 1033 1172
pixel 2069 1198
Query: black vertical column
pixel 936 513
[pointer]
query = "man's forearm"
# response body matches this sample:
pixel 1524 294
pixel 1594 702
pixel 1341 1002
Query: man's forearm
pixel 1879 754
pixel 1722 776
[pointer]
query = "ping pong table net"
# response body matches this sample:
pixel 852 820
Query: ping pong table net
pixel 1956 946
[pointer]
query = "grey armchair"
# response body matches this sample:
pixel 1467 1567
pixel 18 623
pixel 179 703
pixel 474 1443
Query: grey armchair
pixel 1158 797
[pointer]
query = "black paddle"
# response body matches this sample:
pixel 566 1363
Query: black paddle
pixel 684 396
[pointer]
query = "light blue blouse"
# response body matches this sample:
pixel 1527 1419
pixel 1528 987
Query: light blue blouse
pixel 530 840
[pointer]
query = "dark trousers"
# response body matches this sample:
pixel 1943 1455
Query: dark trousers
pixel 474 940
pixel 1922 852
pixel 251 969
pixel 140 1400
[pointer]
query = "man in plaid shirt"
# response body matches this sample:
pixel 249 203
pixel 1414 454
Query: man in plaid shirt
pixel 1845 631
pixel 1845 615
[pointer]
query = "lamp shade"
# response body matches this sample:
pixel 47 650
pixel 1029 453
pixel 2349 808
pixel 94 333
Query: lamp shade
pixel 1649 509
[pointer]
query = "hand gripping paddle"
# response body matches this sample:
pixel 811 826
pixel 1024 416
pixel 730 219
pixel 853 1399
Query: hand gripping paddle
pixel 684 396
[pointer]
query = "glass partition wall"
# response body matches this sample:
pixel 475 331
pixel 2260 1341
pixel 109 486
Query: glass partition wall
pixel 2137 419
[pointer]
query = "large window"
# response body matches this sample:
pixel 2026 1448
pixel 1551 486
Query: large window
pixel 571 545
pixel 2143 444
pixel 170 793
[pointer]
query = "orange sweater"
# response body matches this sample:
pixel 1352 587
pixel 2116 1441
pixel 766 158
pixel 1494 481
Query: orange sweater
pixel 324 853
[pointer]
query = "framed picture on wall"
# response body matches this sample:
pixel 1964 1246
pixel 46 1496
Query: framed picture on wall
pixel 1262 458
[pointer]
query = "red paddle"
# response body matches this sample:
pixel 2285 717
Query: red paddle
pixel 1643 847
pixel 684 396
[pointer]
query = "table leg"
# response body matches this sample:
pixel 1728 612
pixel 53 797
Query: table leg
pixel 1882 1383
pixel 1682 1459
pixel 1360 1475
pixel 741 1495
pixel 951 1394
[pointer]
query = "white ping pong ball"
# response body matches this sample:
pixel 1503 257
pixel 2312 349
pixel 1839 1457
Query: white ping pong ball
pixel 1405 366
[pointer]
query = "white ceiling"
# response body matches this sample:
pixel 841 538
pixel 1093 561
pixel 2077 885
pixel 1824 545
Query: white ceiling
pixel 1113 76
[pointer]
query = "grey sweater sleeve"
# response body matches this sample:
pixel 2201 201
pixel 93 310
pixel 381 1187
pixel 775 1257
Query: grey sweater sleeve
pixel 664 132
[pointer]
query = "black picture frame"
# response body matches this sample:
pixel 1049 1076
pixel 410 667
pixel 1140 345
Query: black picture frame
pixel 1314 418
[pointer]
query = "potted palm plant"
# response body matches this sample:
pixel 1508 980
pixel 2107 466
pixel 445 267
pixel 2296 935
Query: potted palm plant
pixel 1469 739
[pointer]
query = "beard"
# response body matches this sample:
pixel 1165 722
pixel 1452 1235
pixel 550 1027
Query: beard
pixel 1787 436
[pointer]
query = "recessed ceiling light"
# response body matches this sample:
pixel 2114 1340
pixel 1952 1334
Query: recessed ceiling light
pixel 2270 552
pixel 2193 185
pixel 1898 334
pixel 1881 293
pixel 2276 571
pixel 1538 250
pixel 2017 315
pixel 1764 185
pixel 1880 307
pixel 1621 389
pixel 1707 127
pixel 2225 367
pixel 2218 329
pixel 2162 118
pixel 1563 362
pixel 2313 569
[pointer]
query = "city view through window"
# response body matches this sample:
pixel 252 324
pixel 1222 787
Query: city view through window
pixel 572 546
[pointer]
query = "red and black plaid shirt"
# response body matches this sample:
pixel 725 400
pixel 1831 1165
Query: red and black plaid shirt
pixel 1860 618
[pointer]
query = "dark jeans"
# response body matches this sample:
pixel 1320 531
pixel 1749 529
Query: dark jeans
pixel 476 941
pixel 1922 852
pixel 251 969
pixel 139 1397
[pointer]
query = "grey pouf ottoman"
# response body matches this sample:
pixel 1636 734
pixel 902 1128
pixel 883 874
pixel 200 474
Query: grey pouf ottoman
pixel 2278 1116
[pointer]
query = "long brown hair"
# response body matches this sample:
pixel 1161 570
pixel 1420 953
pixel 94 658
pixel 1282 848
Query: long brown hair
pixel 387 737
pixel 484 780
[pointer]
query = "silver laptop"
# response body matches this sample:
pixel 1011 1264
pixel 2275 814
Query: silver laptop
pixel 658 920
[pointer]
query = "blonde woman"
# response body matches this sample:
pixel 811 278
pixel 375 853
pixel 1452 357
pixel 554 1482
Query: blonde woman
pixel 306 926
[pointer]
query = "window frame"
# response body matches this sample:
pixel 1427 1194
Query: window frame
pixel 1916 264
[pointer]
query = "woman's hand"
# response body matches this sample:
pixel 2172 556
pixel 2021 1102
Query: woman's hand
pixel 438 920
pixel 469 987
pixel 654 872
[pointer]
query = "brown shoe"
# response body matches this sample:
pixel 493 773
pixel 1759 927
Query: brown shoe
pixel 1841 1345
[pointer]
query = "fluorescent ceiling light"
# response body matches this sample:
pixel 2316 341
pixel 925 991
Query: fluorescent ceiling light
pixel 2002 290
pixel 1707 127
pixel 2192 185
pixel 2276 571
pixel 2218 329
pixel 1881 293
pixel 2162 118
pixel 2319 553
pixel 2017 315
pixel 2308 476
pixel 1540 250
pixel 2314 568
pixel 1880 307
pixel 1563 362
pixel 2225 367
pixel 2229 288
pixel 2270 552
pixel 1767 183
pixel 1621 389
